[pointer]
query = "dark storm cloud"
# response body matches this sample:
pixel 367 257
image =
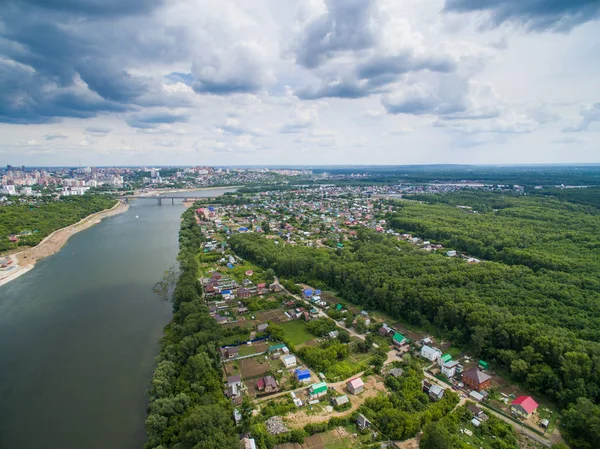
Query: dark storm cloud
pixel 92 8
pixel 68 58
pixel 535 15
pixel 153 119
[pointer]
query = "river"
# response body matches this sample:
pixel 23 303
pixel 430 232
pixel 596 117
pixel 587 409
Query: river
pixel 79 333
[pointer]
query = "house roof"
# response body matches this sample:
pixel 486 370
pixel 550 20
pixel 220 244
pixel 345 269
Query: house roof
pixel 397 372
pixel 446 358
pixel 270 382
pixel 232 350
pixel 436 390
pixel 362 420
pixel 356 383
pixel 476 375
pixel 341 400
pixel 302 373
pixel 527 402
pixel 233 379
pixel 399 337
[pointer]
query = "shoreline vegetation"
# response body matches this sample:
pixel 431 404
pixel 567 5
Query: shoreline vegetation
pixel 187 407
pixel 25 260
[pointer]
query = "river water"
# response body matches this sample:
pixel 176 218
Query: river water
pixel 79 333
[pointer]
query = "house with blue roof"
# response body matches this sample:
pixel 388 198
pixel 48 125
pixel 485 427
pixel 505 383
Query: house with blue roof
pixel 307 293
pixel 303 375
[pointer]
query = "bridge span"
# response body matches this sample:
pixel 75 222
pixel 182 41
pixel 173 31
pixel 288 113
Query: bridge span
pixel 158 199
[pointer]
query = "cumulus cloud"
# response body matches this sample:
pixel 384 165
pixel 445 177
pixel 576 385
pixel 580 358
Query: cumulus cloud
pixel 301 119
pixel 534 15
pixel 588 116
pixel 358 48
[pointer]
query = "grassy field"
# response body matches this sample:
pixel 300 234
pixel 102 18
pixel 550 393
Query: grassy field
pixel 296 332
pixel 246 350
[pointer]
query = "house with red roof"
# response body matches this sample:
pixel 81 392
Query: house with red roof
pixel 524 406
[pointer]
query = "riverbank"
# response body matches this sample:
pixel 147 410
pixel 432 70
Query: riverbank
pixel 25 260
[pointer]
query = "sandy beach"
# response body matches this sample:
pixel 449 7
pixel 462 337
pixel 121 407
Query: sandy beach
pixel 25 260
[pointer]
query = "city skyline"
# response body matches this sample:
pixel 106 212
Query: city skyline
pixel 318 83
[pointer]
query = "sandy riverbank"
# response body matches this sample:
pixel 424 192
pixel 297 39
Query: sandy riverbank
pixel 26 259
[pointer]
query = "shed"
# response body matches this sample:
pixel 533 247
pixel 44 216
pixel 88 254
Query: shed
pixel 476 395
pixel 341 400
pixel 396 372
pixel 484 365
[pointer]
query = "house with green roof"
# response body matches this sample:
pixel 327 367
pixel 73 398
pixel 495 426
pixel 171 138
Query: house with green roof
pixel 444 359
pixel 399 339
pixel 317 390
pixel 276 348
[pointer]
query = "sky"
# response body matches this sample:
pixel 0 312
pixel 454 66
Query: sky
pixel 310 82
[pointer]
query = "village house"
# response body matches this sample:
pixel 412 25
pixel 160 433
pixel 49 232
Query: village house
pixel 234 387
pixel 362 422
pixel 400 340
pixel 262 327
pixel 317 390
pixel 386 331
pixel 355 386
pixel 267 384
pixel 230 353
pixel 476 379
pixel 444 359
pixel 303 375
pixel 524 406
pixel 289 361
pixel 431 354
pixel 434 391
pixel 449 368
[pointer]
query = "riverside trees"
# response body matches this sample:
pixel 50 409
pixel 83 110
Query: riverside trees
pixel 187 407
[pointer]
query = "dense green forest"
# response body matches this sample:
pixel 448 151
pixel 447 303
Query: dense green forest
pixel 541 326
pixel 34 222
pixel 532 175
pixel 188 409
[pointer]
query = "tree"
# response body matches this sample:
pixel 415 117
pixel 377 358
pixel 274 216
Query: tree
pixel 437 436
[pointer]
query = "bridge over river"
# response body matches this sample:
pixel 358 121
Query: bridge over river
pixel 157 198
